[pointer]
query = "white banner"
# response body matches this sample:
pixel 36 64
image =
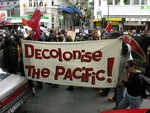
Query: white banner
pixel 86 63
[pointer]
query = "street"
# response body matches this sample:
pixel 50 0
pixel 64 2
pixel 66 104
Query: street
pixel 59 100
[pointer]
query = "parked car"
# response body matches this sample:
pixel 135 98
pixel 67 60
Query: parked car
pixel 14 91
pixel 41 28
pixel 141 110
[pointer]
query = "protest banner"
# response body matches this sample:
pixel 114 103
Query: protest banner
pixel 72 34
pixel 85 64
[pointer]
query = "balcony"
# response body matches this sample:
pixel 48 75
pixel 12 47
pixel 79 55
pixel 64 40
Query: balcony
pixel 125 10
pixel 30 10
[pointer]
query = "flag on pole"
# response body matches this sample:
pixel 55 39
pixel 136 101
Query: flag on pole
pixel 24 21
pixel 108 27
pixel 34 23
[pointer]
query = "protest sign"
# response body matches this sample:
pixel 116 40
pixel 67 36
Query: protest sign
pixel 87 63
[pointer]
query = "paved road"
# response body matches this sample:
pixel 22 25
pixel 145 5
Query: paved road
pixel 59 100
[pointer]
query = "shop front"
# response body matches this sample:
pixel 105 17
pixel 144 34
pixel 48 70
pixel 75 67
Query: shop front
pixel 102 23
pixel 114 21
pixel 97 23
pixel 136 23
pixel 18 20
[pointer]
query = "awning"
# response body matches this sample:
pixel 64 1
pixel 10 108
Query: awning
pixel 96 20
pixel 76 9
pixel 18 19
pixel 66 9
pixel 113 19
pixel 8 7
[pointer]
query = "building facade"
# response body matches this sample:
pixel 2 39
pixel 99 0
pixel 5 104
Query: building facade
pixel 55 13
pixel 126 14
pixel 52 15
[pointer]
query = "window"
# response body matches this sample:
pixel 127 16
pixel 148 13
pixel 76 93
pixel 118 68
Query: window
pixel 36 3
pixel 53 26
pixel 116 2
pixel 99 2
pixel 7 3
pixel 60 23
pixel 143 2
pixel 52 17
pixel 52 2
pixel 30 3
pixel 135 2
pixel 1 3
pixel 110 2
pixel 127 2
pixel 14 2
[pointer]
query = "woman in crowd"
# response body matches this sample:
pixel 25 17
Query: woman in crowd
pixel 134 84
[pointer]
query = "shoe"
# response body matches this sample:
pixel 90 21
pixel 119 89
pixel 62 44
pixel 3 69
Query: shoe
pixel 34 92
pixel 111 99
pixel 40 86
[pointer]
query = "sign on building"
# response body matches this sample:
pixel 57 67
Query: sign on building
pixel 3 15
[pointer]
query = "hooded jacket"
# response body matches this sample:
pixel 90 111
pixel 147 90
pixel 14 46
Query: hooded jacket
pixel 125 56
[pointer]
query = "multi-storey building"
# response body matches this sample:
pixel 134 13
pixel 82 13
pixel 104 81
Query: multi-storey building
pixel 128 14
pixel 55 13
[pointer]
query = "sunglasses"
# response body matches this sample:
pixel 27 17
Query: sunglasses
pixel 127 67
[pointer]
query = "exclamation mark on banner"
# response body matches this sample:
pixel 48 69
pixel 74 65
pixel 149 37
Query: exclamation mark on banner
pixel 110 68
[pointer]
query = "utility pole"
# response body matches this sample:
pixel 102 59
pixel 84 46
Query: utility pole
pixel 108 9
pixel 92 15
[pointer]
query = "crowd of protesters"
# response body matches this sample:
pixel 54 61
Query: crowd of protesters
pixel 11 45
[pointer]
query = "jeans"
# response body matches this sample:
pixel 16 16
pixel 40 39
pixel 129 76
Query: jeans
pixel 128 100
pixel 120 94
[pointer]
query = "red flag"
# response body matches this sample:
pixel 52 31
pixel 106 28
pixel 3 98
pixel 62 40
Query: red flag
pixel 138 53
pixel 24 21
pixel 34 23
pixel 141 110
pixel 108 27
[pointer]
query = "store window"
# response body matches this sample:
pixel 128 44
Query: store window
pixel 143 2
pixel 135 2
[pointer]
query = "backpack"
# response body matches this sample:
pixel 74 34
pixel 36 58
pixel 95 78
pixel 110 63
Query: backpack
pixel 146 86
